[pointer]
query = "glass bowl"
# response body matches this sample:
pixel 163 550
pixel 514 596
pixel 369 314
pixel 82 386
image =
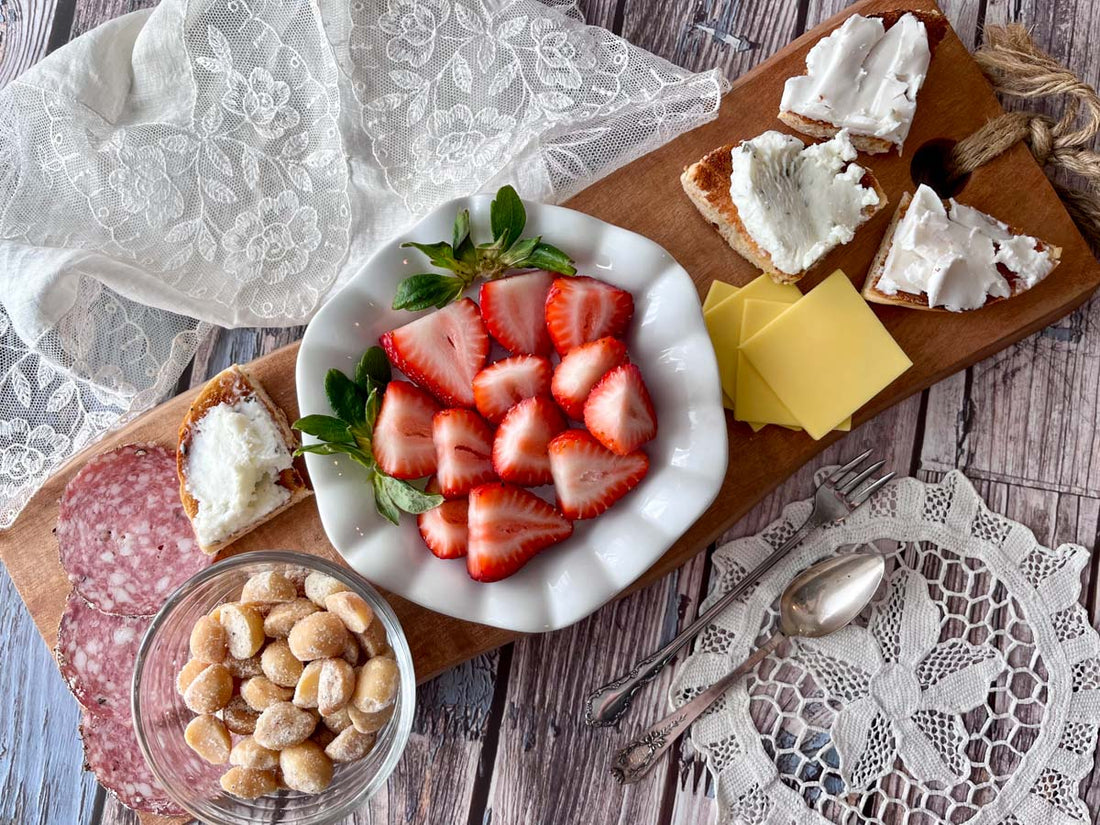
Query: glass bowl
pixel 160 715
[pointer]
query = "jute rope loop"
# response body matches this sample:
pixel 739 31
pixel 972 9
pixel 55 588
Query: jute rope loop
pixel 1018 68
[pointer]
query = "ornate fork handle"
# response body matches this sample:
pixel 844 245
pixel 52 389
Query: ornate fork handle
pixel 636 760
pixel 606 705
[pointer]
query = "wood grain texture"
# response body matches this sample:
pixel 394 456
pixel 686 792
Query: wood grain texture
pixel 25 27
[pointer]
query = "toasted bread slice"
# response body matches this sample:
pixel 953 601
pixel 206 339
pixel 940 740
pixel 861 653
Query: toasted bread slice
pixel 874 295
pixel 231 386
pixel 935 25
pixel 707 184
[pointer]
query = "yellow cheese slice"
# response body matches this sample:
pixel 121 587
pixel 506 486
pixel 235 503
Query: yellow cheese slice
pixel 723 322
pixel 826 356
pixel 718 292
pixel 755 401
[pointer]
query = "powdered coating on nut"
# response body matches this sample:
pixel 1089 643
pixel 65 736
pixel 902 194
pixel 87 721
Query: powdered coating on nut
pixel 373 640
pixel 210 691
pixel 352 609
pixel 377 686
pixel 261 693
pixel 318 636
pixel 239 717
pixel 350 745
pixel 244 625
pixel 283 725
pixel 338 721
pixel 270 587
pixel 188 673
pixel 244 668
pixel 319 586
pixel 369 722
pixel 248 753
pixel 335 686
pixel 283 617
pixel 207 736
pixel 305 767
pixel 248 783
pixel 279 664
pixel 209 642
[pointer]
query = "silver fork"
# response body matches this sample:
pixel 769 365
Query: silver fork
pixel 834 500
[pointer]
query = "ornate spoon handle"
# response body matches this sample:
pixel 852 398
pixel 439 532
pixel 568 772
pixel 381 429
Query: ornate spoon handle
pixel 638 758
pixel 606 705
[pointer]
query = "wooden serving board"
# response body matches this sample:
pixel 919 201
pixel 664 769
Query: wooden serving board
pixel 645 196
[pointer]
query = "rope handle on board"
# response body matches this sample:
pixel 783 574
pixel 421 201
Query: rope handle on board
pixel 1018 68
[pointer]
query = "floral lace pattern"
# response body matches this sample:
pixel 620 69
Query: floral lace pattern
pixel 233 162
pixel 967 692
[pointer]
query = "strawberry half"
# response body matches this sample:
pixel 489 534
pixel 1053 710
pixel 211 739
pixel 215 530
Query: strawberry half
pixel 519 450
pixel 619 411
pixel 507 527
pixel 442 352
pixel 580 309
pixel 463 451
pixel 444 528
pixel 502 385
pixel 513 312
pixel 590 478
pixel 402 439
pixel 581 369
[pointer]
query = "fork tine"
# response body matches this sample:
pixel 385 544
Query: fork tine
pixel 868 491
pixel 852 485
pixel 847 468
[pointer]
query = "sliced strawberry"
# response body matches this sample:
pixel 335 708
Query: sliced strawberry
pixel 581 369
pixel 402 439
pixel 442 352
pixel 463 451
pixel 444 528
pixel 513 311
pixel 502 385
pixel 580 309
pixel 519 450
pixel 590 478
pixel 508 526
pixel 619 411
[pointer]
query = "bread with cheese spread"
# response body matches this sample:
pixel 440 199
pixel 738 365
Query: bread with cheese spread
pixel 707 184
pixel 935 25
pixel 223 394
pixel 874 294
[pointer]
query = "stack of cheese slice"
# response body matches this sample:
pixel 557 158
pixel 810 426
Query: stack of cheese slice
pixel 799 361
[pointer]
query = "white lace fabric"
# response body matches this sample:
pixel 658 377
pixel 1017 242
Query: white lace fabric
pixel 968 692
pixel 233 162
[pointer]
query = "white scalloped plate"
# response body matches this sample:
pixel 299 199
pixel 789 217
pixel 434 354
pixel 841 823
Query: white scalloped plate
pixel 570 580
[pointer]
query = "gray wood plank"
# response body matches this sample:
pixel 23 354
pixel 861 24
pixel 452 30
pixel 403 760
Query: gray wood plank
pixel 24 35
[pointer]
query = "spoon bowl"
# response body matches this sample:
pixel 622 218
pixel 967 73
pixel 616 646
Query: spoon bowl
pixel 826 596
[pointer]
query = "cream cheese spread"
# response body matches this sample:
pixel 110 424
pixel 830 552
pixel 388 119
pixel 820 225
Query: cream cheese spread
pixel 233 467
pixel 864 77
pixel 797 202
pixel 951 255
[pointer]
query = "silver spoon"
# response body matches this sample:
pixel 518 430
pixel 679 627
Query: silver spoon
pixel 820 600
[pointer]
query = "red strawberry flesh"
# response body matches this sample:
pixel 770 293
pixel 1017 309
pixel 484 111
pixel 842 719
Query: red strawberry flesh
pixel 442 351
pixel 588 477
pixel 463 451
pixel 402 439
pixel 581 369
pixel 502 385
pixel 508 526
pixel 519 449
pixel 513 311
pixel 619 412
pixel 582 309
pixel 443 528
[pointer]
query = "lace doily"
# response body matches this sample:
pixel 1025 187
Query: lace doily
pixel 233 162
pixel 969 691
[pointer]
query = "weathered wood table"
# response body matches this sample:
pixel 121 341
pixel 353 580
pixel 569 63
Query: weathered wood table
pixel 500 739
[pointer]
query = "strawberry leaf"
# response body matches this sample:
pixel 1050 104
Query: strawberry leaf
pixel 519 251
pixel 346 398
pixel 441 254
pixel 382 500
pixel 350 450
pixel 428 290
pixel 373 369
pixel 405 496
pixel 550 258
pixel 461 230
pixel 507 217
pixel 324 427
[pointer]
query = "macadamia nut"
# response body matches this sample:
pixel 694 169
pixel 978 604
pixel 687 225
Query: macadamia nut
pixel 318 636
pixel 206 735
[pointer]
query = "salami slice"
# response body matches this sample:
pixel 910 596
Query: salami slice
pixel 124 538
pixel 96 653
pixel 112 753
